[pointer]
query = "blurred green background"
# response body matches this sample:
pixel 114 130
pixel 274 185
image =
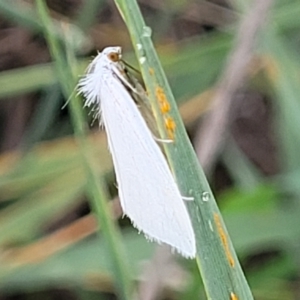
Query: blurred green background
pixel 49 248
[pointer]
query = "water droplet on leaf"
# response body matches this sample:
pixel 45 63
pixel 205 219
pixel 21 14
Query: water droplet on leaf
pixel 205 196
pixel 147 31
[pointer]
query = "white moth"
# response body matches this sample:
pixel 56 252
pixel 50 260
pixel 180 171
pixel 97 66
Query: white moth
pixel 148 193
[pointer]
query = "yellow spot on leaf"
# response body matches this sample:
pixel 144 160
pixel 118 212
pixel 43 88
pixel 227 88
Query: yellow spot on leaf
pixel 224 240
pixel 170 126
pixel 165 107
pixel 162 100
pixel 233 296
pixel 151 71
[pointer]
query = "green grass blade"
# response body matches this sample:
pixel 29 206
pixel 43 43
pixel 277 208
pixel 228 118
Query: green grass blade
pixel 22 13
pixel 95 187
pixel 285 83
pixel 221 272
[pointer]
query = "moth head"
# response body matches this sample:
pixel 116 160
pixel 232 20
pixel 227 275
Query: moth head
pixel 112 54
pixel 109 57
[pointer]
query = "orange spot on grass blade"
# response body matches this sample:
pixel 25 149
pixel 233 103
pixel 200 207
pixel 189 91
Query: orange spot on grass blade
pixel 224 239
pixel 162 100
pixel 170 126
pixel 151 71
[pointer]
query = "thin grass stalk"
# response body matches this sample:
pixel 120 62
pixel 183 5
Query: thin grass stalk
pixel 96 191
pixel 216 258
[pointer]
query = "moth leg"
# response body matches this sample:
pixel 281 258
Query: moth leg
pixel 164 141
pixel 119 74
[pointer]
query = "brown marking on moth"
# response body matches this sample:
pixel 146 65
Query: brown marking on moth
pixel 114 56
pixel 122 71
pixel 224 240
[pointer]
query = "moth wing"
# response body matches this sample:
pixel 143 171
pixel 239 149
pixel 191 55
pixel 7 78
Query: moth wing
pixel 148 193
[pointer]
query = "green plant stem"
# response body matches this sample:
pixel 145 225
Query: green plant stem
pixel 96 191
pixel 220 269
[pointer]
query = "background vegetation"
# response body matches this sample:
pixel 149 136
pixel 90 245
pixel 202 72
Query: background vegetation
pixel 233 67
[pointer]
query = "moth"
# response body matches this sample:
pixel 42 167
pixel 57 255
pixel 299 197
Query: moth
pixel 148 193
